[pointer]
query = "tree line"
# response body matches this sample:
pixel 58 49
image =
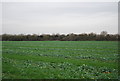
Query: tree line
pixel 103 36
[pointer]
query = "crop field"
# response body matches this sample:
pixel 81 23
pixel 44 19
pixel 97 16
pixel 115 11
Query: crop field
pixel 59 60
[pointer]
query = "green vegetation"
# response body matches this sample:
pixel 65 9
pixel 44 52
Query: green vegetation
pixel 60 59
pixel 0 60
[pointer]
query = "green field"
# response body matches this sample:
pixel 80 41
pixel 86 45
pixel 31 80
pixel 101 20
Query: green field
pixel 60 59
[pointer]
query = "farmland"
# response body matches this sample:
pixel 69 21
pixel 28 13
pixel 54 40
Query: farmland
pixel 60 59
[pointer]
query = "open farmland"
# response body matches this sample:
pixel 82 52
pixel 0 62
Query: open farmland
pixel 60 59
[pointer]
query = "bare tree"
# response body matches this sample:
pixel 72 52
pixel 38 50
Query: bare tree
pixel 103 33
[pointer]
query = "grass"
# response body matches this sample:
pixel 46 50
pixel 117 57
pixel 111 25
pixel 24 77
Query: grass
pixel 60 59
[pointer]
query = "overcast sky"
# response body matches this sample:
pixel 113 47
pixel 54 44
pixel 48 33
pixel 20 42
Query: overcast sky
pixel 59 17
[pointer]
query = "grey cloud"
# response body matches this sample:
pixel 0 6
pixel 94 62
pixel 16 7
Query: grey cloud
pixel 59 17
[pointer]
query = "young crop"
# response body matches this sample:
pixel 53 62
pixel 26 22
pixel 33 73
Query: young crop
pixel 60 60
